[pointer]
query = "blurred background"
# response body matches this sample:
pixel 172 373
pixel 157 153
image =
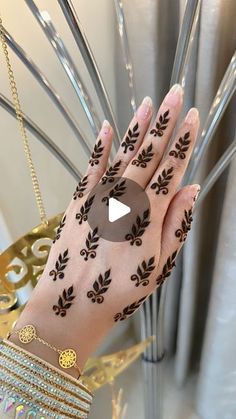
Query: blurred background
pixel 200 311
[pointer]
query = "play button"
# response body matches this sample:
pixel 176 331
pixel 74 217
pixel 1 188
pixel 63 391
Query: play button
pixel 118 209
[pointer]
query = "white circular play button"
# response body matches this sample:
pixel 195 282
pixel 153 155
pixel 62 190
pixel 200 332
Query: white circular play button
pixel 118 208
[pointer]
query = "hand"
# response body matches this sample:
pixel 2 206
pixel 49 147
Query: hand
pixel 89 283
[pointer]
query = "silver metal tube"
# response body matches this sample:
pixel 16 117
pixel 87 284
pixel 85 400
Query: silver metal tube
pixel 89 60
pixel 219 105
pixel 126 52
pixel 185 40
pixel 43 18
pixel 51 92
pixel 43 138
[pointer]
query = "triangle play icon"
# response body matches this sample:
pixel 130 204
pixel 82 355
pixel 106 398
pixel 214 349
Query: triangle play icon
pixel 116 210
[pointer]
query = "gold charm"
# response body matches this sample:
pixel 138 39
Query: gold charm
pixel 67 358
pixel 27 334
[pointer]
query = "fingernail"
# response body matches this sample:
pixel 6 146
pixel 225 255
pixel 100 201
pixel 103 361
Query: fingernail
pixel 106 127
pixel 196 190
pixel 192 116
pixel 144 109
pixel 174 96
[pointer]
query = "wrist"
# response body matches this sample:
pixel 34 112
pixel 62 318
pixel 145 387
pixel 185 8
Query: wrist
pixel 79 333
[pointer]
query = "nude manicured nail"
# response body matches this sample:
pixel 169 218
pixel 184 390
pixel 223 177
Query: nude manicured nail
pixel 144 109
pixel 196 190
pixel 192 116
pixel 106 127
pixel 174 96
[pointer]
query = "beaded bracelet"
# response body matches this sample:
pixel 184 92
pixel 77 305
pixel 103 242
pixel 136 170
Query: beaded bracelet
pixel 67 358
pixel 34 386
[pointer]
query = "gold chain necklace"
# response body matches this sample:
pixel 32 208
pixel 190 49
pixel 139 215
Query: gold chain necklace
pixel 19 115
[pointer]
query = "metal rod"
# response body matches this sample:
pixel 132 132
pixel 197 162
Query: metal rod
pixel 89 60
pixel 185 40
pixel 43 18
pixel 126 52
pixel 43 138
pixel 215 173
pixel 219 105
pixel 51 92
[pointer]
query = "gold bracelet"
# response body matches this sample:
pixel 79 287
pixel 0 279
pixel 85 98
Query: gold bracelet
pixel 67 358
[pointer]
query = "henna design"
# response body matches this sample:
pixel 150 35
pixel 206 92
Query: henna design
pixel 138 229
pixel 117 191
pixel 60 265
pixel 166 271
pixel 110 173
pixel 64 302
pixel 163 181
pixel 83 214
pixel 59 229
pixel 128 310
pixel 80 188
pixel 144 272
pixel 100 287
pixel 181 147
pixel 144 157
pixel 161 125
pixel 91 244
pixel 97 153
pixel 182 232
pixel 130 139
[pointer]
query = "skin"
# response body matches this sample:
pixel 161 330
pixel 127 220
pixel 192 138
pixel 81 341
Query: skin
pixel 86 322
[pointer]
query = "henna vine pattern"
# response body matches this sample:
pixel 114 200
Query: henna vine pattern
pixel 64 302
pixel 166 271
pixel 60 265
pixel 138 229
pixel 116 192
pixel 100 287
pixel 91 244
pixel 110 173
pixel 161 125
pixel 182 232
pixel 128 310
pixel 97 153
pixel 130 138
pixel 144 272
pixel 80 188
pixel 163 181
pixel 181 147
pixel 83 214
pixel 59 229
pixel 144 157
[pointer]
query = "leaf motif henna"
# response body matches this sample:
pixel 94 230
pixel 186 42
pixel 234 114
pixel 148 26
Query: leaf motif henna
pixel 182 232
pixel 116 192
pixel 80 188
pixel 163 181
pixel 110 173
pixel 130 138
pixel 83 214
pixel 138 229
pixel 59 229
pixel 64 302
pixel 128 310
pixel 181 146
pixel 143 272
pixel 100 287
pixel 91 244
pixel 97 153
pixel 169 265
pixel 161 125
pixel 60 265
pixel 144 157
